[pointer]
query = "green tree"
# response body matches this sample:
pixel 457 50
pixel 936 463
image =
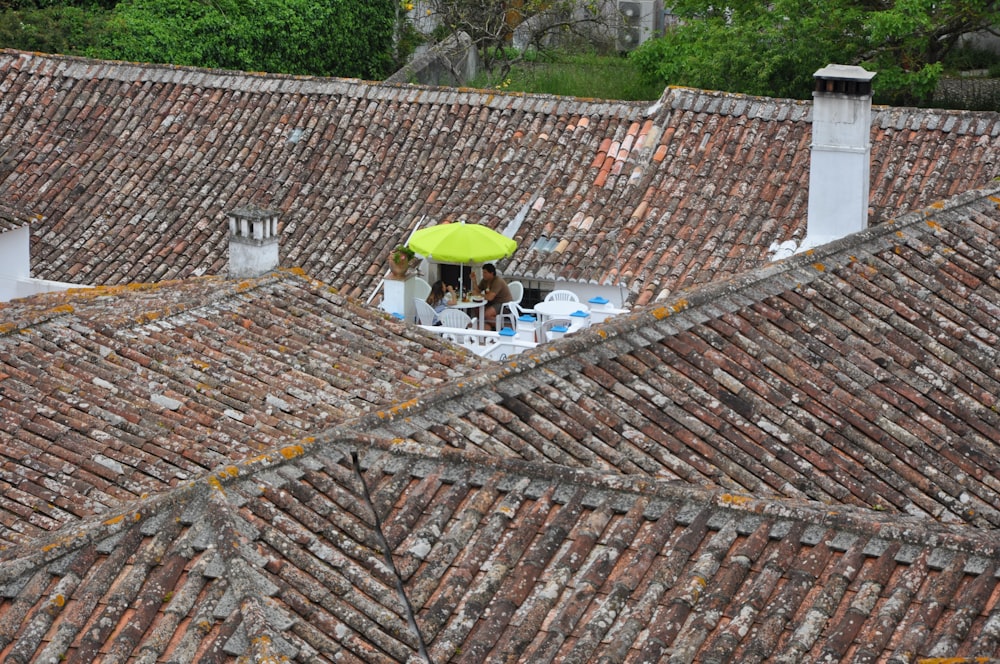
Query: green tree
pixel 47 4
pixel 504 31
pixel 330 37
pixel 774 48
pixel 52 28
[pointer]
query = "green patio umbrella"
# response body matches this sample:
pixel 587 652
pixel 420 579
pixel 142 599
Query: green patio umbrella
pixel 461 244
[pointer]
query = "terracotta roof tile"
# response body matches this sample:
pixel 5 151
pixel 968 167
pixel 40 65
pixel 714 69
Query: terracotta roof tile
pixel 365 162
pixel 137 389
pixel 793 465
pixel 862 374
pixel 517 561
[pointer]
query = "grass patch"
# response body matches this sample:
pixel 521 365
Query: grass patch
pixel 575 75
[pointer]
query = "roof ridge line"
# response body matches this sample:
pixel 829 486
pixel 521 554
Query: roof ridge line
pixel 80 67
pixel 66 302
pixel 20 558
pixel 687 308
pixel 897 526
pixel 808 265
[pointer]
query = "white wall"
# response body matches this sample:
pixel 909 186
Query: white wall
pixel 15 260
pixel 15 268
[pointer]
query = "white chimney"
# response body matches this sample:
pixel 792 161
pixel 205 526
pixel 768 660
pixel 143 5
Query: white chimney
pixel 253 242
pixel 839 173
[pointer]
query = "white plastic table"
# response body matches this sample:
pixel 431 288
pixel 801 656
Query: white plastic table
pixel 481 305
pixel 559 308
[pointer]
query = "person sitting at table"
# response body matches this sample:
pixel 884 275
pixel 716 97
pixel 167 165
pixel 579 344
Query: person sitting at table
pixel 495 290
pixel 441 297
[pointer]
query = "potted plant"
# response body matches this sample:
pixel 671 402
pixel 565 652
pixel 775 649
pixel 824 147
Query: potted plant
pixel 399 260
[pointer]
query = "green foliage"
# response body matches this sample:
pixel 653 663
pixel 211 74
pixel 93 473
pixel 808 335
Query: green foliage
pixel 746 49
pixel 898 86
pixel 964 58
pixel 740 46
pixel 408 38
pixel 576 75
pixel 336 37
pixel 65 29
pixel 6 5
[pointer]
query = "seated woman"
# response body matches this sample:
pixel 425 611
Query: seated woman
pixel 441 297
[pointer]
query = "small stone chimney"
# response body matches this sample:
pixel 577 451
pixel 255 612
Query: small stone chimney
pixel 839 173
pixel 253 242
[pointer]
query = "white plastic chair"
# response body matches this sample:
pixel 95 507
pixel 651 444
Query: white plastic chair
pixel 512 310
pixel 544 331
pixel 456 318
pixel 425 312
pixel 421 288
pixel 563 295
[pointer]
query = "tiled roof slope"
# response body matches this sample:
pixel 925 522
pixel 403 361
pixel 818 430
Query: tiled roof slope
pixel 111 393
pixel 745 456
pixel 11 219
pixel 863 373
pixel 285 559
pixel 133 167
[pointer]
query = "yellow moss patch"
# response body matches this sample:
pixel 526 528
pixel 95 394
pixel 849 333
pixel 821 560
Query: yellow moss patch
pixel 933 224
pixel 60 542
pixel 661 312
pixel 405 405
pixel 292 451
pixel 819 267
pixel 216 480
pixel 265 654
pixel 733 499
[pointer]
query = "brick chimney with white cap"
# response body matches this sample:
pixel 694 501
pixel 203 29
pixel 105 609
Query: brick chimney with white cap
pixel 253 242
pixel 840 163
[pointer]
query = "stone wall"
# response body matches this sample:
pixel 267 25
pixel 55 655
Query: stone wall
pixel 452 62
